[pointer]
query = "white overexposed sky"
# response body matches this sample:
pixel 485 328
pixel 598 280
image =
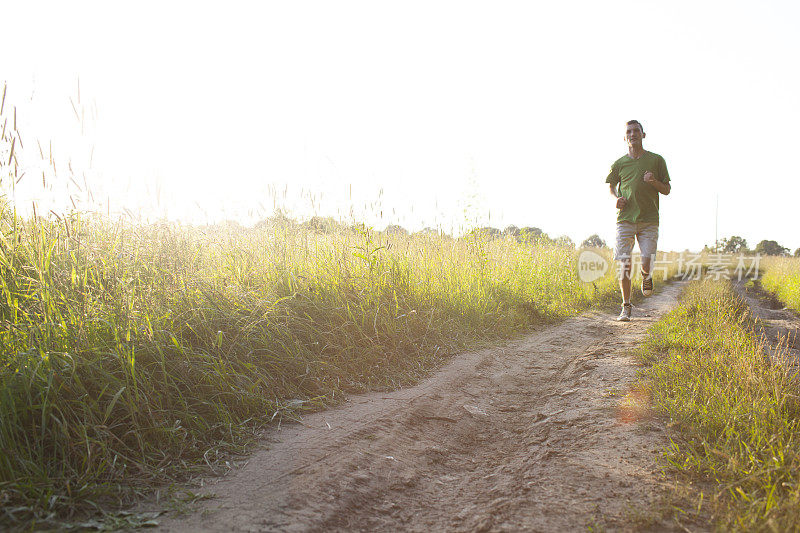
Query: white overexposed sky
pixel 418 113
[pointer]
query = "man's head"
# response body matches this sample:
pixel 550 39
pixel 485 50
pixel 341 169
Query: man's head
pixel 634 133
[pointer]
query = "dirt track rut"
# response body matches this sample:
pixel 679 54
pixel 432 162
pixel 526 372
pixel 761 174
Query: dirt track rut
pixel 546 433
pixel 780 325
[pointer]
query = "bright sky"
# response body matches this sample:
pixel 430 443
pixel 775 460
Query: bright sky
pixel 418 113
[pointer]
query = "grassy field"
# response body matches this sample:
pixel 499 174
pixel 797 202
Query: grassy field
pixel 781 276
pixel 736 414
pixel 135 355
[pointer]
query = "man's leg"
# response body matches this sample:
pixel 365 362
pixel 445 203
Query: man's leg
pixel 625 281
pixel 645 265
pixel 626 234
pixel 647 235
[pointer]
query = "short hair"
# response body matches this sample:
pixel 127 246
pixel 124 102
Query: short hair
pixel 631 122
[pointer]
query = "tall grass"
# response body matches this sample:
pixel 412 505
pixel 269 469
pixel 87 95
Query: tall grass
pixel 736 412
pixel 132 354
pixel 781 276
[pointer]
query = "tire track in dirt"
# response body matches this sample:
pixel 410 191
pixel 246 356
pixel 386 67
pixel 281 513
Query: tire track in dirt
pixel 544 433
pixel 780 325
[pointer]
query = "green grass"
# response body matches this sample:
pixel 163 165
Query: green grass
pixel 135 355
pixel 781 276
pixel 735 413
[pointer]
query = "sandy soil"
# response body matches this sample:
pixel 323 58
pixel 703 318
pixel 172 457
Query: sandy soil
pixel 546 433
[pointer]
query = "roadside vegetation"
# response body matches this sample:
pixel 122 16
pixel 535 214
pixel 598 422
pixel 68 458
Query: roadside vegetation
pixel 134 355
pixel 781 277
pixel 734 408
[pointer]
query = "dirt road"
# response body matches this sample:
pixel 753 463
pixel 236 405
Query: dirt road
pixel 545 433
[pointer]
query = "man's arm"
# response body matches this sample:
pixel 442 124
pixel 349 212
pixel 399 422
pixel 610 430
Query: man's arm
pixel 660 186
pixel 621 202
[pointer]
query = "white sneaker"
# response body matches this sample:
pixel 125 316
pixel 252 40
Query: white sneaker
pixel 625 314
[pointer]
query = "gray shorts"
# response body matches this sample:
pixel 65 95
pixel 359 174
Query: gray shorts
pixel 644 232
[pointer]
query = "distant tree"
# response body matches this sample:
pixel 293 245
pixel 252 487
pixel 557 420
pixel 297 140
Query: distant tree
pixel 766 247
pixel 394 229
pixel 491 233
pixel 323 224
pixel 359 228
pixel 428 231
pixel 733 245
pixel 797 253
pixel 511 230
pixel 565 241
pixel 531 234
pixel 594 241
pixel 277 220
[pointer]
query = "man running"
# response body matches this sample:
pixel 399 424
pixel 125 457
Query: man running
pixel 635 180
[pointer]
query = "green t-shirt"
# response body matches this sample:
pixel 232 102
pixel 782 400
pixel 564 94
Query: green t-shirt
pixel 642 197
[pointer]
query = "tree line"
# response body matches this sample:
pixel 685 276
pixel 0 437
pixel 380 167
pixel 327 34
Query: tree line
pixel 736 245
pixel 528 234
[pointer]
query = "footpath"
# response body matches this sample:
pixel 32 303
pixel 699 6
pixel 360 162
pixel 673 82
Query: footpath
pixel 545 433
